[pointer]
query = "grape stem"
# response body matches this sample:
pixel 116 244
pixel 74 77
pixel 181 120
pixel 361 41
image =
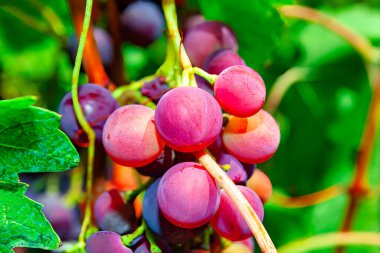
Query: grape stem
pixel 130 196
pixel 83 122
pixel 330 240
pixel 153 246
pixel 254 223
pixel 175 41
pixel 209 77
pixel 128 239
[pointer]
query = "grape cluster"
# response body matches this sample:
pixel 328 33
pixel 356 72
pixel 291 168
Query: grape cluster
pixel 184 200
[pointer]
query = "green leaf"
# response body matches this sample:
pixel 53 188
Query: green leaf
pixel 30 140
pixel 22 223
pixel 256 24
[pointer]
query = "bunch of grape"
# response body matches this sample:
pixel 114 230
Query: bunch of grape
pixel 183 200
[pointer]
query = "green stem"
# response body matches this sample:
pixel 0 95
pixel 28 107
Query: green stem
pixel 83 122
pixel 131 195
pixel 209 77
pixel 128 239
pixel 331 240
pixel 153 246
pixel 174 37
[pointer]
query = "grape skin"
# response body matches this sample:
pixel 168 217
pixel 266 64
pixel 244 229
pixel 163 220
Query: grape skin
pixel 130 137
pixel 106 242
pixel 228 222
pixel 252 140
pixel 159 224
pixel 97 104
pixel 158 167
pixel 187 195
pixel 261 184
pixel 222 59
pixel 142 23
pixel 188 119
pixel 240 91
pixel 213 35
pixel 236 171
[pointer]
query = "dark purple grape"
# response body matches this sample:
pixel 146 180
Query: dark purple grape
pixel 155 89
pixel 228 222
pixel 142 23
pixel 207 37
pixel 249 168
pixel 106 242
pixel 103 42
pixel 216 148
pixel 236 171
pixel 204 85
pixel 222 59
pixel 159 224
pixel 159 166
pixel 187 195
pixel 181 157
pixel 97 104
pixel 113 214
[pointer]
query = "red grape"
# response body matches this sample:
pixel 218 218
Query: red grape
pixel 97 104
pixel 130 137
pixel 106 242
pixel 187 195
pixel 207 37
pixel 228 222
pixel 252 140
pixel 188 119
pixel 159 224
pixel 240 91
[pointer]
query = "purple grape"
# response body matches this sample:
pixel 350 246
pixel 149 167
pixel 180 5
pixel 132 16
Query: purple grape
pixel 204 85
pixel 159 224
pixel 97 104
pixel 193 21
pixel 187 195
pixel 113 214
pixel 188 119
pixel 158 167
pixel 236 171
pixel 106 242
pixel 142 23
pixel 207 37
pixel 60 217
pixel 103 42
pixel 155 89
pixel 228 222
pixel 222 59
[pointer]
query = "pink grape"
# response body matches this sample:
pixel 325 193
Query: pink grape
pixel 130 137
pixel 106 242
pixel 187 195
pixel 207 37
pixel 228 222
pixel 188 119
pixel 240 91
pixel 222 59
pixel 252 140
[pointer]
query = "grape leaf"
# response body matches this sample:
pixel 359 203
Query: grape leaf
pixel 22 223
pixel 30 140
pixel 256 24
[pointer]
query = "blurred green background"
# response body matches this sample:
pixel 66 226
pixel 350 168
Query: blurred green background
pixel 322 116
